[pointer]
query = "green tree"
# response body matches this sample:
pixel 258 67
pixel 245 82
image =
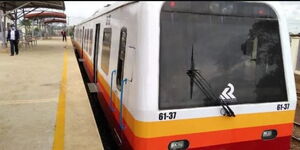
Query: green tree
pixel 27 23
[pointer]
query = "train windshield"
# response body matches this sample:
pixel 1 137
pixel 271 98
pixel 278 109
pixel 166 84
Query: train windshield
pixel 231 50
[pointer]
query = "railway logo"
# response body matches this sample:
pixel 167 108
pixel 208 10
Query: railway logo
pixel 227 94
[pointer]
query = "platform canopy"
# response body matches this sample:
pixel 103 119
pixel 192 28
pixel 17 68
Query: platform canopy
pixel 45 14
pixel 55 21
pixel 11 5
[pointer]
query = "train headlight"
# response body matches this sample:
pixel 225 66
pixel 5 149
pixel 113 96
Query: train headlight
pixel 179 145
pixel 269 134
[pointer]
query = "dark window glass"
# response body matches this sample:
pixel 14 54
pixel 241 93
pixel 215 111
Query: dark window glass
pixel 91 42
pixel 76 35
pixel 105 55
pixel 121 58
pixel 80 35
pixel 228 52
pixel 84 39
pixel 87 41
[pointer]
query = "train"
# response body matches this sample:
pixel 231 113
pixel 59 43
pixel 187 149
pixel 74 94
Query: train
pixel 178 75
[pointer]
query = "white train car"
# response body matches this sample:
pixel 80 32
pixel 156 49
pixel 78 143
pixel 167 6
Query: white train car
pixel 192 75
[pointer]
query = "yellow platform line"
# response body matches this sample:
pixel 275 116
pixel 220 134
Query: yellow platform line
pixel 60 115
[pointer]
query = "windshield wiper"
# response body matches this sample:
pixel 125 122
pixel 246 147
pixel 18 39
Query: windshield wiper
pixel 204 86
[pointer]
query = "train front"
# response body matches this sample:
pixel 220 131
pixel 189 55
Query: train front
pixel 225 78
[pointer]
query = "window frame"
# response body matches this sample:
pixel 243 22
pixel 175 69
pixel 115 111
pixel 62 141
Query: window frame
pixel 120 74
pixel 91 42
pixel 107 30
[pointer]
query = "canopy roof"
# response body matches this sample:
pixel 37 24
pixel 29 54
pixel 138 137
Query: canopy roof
pixel 11 5
pixel 45 15
pixel 55 21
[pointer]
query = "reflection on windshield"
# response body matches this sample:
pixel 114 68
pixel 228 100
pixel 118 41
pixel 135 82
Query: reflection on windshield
pixel 268 59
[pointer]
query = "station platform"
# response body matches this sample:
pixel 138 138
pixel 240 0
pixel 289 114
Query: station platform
pixel 43 101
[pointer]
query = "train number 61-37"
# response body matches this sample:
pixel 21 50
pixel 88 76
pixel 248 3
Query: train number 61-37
pixel 165 116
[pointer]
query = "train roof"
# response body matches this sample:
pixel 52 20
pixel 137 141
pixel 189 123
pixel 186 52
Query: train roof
pixel 116 5
pixel 106 9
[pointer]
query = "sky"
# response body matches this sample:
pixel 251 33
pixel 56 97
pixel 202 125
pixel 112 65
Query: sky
pixel 79 10
pixel 292 13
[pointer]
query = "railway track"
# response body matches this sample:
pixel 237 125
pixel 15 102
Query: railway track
pixel 295 142
pixel 296 131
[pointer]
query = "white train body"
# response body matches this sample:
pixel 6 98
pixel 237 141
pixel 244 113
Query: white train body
pixel 146 124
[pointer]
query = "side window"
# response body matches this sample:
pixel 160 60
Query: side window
pixel 87 40
pixel 105 55
pixel 91 42
pixel 80 33
pixel 78 39
pixel 121 57
pixel 83 39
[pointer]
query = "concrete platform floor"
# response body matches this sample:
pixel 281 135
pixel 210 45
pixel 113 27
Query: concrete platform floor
pixel 30 89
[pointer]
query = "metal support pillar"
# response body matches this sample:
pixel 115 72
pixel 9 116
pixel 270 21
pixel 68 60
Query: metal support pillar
pixel 16 19
pixel 4 42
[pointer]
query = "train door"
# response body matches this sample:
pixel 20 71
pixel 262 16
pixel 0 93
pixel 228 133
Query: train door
pixel 96 48
pixel 124 77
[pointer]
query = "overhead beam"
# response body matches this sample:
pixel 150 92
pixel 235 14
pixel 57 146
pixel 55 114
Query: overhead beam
pixel 17 8
pixel 27 12
pixel 9 4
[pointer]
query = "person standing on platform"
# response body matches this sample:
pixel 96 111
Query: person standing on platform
pixel 64 35
pixel 13 38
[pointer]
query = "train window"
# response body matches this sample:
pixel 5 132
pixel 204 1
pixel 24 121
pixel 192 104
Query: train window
pixel 91 42
pixel 87 40
pixel 238 58
pixel 84 40
pixel 121 57
pixel 106 44
pixel 80 34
